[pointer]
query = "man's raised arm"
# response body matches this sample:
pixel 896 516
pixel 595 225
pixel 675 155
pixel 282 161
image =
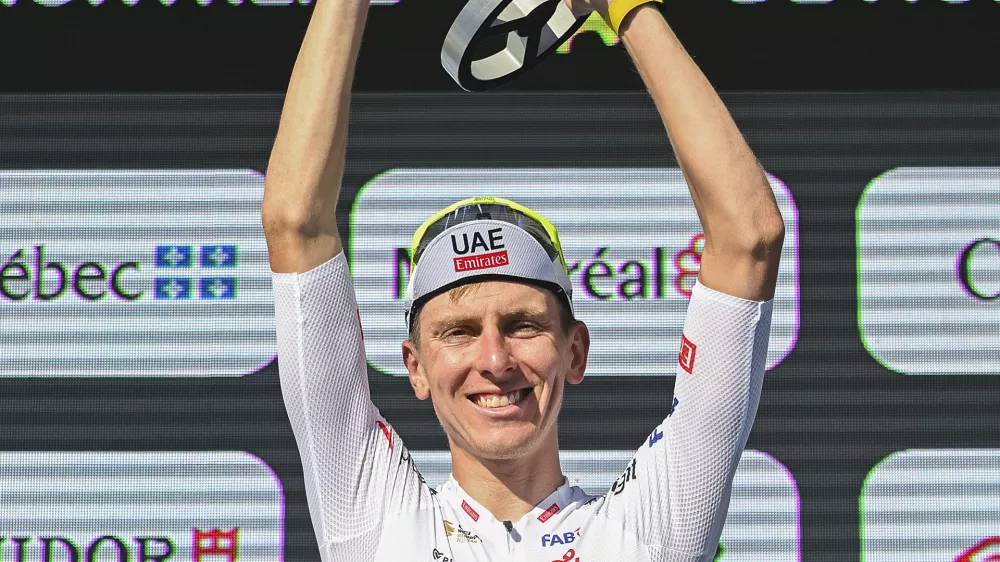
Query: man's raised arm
pixel 307 162
pixel 743 228
pixel 354 476
pixel 685 471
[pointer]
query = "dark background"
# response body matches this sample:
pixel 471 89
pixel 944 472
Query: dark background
pixel 776 44
pixel 829 97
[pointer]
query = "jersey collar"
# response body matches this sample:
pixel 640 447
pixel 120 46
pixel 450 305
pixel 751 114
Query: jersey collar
pixel 542 513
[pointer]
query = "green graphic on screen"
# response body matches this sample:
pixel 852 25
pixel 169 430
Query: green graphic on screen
pixel 594 24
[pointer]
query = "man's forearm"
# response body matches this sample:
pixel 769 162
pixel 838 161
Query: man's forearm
pixel 307 162
pixel 743 228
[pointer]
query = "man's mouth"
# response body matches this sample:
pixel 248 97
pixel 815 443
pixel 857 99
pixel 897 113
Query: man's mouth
pixel 500 400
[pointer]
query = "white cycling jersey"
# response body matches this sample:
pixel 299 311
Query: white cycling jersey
pixel 368 501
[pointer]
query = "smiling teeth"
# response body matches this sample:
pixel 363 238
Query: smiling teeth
pixel 494 401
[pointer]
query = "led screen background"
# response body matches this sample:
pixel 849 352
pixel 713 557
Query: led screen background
pixel 829 413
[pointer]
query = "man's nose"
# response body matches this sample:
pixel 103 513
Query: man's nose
pixel 494 353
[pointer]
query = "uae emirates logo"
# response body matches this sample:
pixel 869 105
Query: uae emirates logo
pixel 468 509
pixel 485 261
pixel 548 513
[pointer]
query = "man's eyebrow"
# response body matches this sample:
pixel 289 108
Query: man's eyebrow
pixel 523 312
pixel 507 316
pixel 451 318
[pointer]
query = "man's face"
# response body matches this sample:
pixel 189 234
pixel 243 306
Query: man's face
pixel 494 358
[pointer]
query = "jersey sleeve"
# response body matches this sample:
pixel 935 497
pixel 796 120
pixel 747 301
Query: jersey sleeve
pixel 676 490
pixel 355 466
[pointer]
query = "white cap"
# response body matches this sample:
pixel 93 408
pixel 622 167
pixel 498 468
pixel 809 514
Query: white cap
pixel 483 250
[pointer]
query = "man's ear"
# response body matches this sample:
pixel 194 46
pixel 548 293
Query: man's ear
pixel 579 336
pixel 418 380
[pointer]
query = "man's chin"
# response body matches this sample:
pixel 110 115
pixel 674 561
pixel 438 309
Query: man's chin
pixel 499 452
pixel 504 444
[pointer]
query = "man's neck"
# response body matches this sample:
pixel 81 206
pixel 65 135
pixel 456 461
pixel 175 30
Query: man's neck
pixel 511 488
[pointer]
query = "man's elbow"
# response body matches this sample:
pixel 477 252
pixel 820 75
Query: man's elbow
pixel 767 237
pixel 290 210
pixel 280 221
pixel 743 261
pixel 296 242
pixel 757 233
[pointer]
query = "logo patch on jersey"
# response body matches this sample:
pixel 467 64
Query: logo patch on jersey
pixel 655 437
pixel 472 512
pixel 686 357
pixel 548 513
pixel 385 431
pixel 439 556
pixel 629 475
pixel 460 534
pixel 560 539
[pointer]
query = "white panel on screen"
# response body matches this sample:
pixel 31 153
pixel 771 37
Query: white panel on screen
pixel 134 273
pixel 933 505
pixel 627 235
pixel 140 506
pixel 763 519
pixel 929 270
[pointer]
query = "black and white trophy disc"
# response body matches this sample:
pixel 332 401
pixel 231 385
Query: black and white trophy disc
pixel 494 41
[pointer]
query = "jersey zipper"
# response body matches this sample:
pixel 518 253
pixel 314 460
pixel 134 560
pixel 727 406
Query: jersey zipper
pixel 510 540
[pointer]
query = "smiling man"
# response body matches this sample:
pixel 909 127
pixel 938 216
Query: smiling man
pixel 494 340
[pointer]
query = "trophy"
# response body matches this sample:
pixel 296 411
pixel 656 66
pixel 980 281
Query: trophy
pixel 493 42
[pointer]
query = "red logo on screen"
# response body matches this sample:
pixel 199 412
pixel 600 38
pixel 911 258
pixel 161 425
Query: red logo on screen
pixel 214 543
pixel 686 357
pixel 385 431
pixel 548 513
pixel 472 512
pixel 986 550
pixel 485 261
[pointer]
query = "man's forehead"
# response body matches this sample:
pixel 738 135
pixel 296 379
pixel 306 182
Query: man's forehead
pixel 496 297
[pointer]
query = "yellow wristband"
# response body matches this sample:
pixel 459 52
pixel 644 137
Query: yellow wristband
pixel 621 8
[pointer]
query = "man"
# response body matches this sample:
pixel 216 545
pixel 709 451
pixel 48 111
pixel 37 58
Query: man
pixel 493 340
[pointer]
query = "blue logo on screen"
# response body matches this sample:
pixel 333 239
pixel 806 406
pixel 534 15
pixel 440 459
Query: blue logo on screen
pixel 218 257
pixel 173 256
pixel 208 288
pixel 215 288
pixel 173 288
